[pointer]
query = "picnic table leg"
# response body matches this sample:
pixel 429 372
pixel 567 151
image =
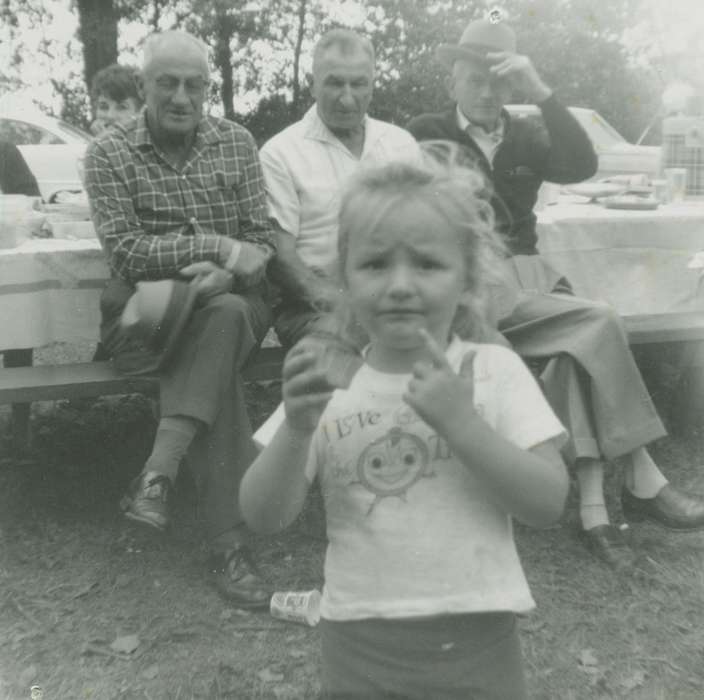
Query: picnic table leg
pixel 689 400
pixel 20 411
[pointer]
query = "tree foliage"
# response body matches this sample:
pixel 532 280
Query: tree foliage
pixel 261 51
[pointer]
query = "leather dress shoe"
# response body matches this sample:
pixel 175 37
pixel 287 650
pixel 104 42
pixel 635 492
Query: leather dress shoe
pixel 236 578
pixel 670 507
pixel 610 544
pixel 147 500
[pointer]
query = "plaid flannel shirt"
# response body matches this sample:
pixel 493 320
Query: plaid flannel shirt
pixel 153 219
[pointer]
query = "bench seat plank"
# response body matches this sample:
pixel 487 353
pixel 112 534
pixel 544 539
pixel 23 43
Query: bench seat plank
pixel 73 381
pixel 664 328
pixel 85 379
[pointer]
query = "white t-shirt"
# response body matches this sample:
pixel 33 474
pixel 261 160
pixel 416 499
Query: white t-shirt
pixel 306 168
pixel 412 532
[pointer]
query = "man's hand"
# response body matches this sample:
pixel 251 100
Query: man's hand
pixel 521 74
pixel 306 389
pixel 250 266
pixel 437 394
pixel 97 127
pixel 210 279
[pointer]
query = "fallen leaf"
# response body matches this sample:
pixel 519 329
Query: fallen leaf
pixel 151 672
pixel 587 658
pixel 635 680
pixel 125 644
pixel 297 653
pixel 85 590
pixel 533 626
pixel 268 676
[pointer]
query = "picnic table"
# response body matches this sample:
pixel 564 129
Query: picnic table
pixel 635 260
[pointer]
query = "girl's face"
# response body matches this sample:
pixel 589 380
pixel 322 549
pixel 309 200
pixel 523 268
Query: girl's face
pixel 409 273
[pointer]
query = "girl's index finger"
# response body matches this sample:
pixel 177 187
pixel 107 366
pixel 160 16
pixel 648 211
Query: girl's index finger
pixel 437 354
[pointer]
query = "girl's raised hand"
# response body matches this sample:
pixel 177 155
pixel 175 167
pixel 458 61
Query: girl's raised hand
pixel 306 389
pixel 436 393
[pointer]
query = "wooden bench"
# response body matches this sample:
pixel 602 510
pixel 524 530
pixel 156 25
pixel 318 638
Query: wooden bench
pixel 85 379
pixel 664 328
pixel 23 385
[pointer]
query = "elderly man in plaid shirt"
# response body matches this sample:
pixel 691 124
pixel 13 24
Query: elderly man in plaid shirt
pixel 175 193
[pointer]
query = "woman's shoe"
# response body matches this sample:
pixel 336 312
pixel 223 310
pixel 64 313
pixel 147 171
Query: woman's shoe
pixel 610 544
pixel 670 507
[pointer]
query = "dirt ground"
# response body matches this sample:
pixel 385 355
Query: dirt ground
pixel 93 607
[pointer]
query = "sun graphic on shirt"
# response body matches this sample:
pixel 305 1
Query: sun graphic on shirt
pixel 390 465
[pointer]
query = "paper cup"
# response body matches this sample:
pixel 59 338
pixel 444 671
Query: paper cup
pixel 296 606
pixel 676 183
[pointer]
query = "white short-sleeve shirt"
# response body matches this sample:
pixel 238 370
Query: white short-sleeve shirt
pixel 306 168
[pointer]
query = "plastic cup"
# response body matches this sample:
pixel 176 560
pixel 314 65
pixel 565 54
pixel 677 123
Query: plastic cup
pixel 661 191
pixel 296 606
pixel 338 358
pixel 676 183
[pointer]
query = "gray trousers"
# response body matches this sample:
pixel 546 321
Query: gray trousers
pixel 590 379
pixel 203 381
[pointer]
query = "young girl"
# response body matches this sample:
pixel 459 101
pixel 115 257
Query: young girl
pixel 422 461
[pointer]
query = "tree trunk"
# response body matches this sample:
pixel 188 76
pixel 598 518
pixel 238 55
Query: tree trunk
pixel 297 55
pixel 222 56
pixel 97 29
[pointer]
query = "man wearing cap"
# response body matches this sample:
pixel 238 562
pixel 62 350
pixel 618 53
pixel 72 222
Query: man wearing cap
pixel 177 195
pixel 306 167
pixel 590 377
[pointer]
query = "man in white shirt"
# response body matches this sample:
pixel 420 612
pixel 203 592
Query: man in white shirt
pixel 306 167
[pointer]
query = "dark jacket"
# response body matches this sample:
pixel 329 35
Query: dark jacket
pixel 15 175
pixel 527 155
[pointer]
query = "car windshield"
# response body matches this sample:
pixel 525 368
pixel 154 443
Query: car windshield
pixel 602 134
pixel 74 131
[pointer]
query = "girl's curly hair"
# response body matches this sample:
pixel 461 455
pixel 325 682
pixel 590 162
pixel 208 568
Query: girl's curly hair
pixel 446 181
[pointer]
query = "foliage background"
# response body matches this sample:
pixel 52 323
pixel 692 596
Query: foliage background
pixel 614 57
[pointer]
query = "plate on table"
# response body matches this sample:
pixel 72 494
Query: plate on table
pixel 595 190
pixel 71 229
pixel 631 201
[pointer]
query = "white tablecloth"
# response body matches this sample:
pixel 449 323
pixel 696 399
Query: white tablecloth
pixel 634 260
pixel 49 291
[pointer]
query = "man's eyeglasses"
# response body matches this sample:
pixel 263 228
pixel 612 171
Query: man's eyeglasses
pixel 191 86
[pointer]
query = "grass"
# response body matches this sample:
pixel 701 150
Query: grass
pixel 76 579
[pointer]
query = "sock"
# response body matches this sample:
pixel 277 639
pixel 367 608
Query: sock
pixel 173 438
pixel 592 508
pixel 643 478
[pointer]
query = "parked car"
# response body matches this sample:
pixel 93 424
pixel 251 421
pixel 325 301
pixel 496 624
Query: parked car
pixel 616 155
pixel 51 147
